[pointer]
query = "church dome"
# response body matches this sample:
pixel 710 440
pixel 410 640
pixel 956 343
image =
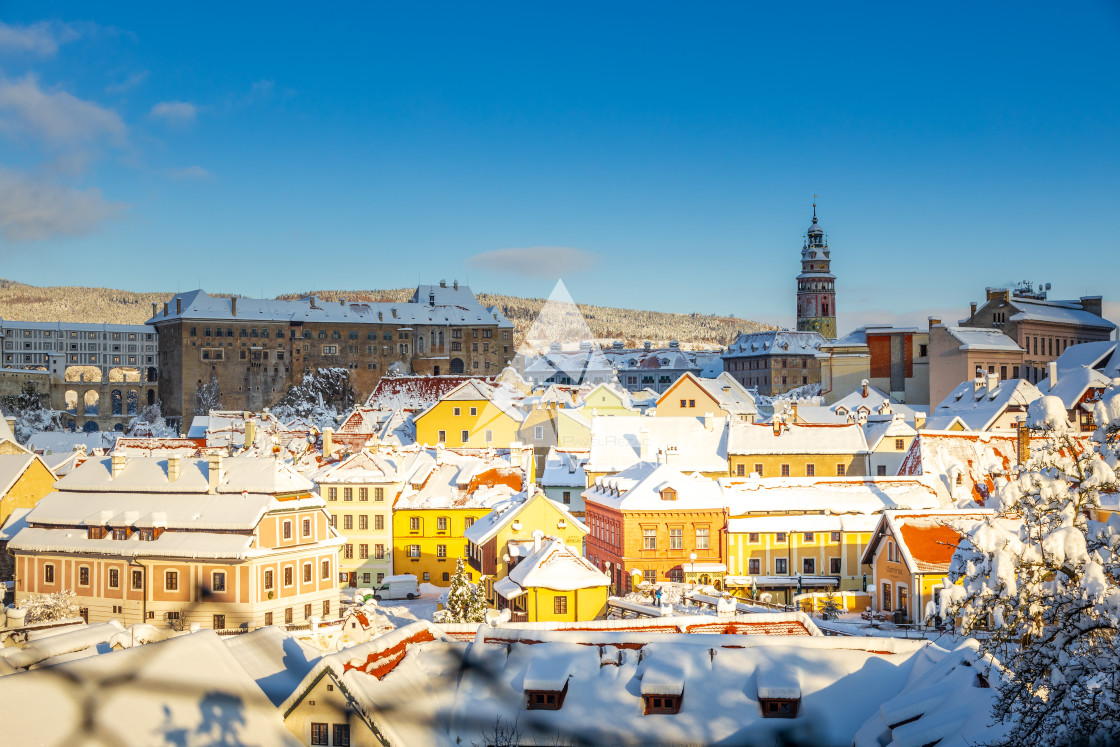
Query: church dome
pixel 815 228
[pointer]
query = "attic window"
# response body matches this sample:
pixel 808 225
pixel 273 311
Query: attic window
pixel 662 704
pixel 668 494
pixel 95 533
pixel 779 707
pixel 545 700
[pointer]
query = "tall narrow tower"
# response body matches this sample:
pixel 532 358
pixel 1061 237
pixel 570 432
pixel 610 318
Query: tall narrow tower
pixel 816 285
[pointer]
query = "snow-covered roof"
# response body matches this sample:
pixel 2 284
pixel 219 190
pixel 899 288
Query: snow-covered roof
pixel 557 566
pixel 16 521
pixel 364 467
pixel 833 495
pixel 775 342
pixel 445 479
pixel 275 659
pixel 136 446
pixel 429 305
pixel 150 475
pixel 978 404
pixel 879 427
pixel 564 469
pixel 1061 312
pixel 646 487
pixel 796 438
pixel 948 699
pixel 982 338
pixel 184 688
pixel 689 444
pixel 870 399
pixel 926 539
pixel 803 523
pixel 504 512
pixel 1072 383
pixel 54 442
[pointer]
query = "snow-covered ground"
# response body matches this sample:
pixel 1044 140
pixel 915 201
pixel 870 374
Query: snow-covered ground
pixel 404 611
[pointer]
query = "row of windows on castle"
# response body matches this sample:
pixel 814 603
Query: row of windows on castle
pixel 265 333
pixel 783 469
pixel 758 364
pixel 219 354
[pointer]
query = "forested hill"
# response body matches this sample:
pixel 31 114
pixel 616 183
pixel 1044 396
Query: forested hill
pixel 73 304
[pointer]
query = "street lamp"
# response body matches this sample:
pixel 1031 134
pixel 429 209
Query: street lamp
pixel 692 567
pixel 871 602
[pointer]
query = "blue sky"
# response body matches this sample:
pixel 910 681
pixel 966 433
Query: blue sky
pixel 669 152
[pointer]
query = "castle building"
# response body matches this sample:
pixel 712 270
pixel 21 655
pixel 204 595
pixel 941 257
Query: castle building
pixel 816 285
pixel 255 349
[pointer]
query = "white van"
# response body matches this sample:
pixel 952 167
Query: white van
pixel 397 587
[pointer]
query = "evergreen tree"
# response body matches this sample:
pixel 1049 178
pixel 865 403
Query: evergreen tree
pixel 460 597
pixel 1040 583
pixel 831 609
pixel 477 612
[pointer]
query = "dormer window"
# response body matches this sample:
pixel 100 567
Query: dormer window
pixel 662 704
pixel 779 707
pixel 668 494
pixel 545 700
pixel 96 533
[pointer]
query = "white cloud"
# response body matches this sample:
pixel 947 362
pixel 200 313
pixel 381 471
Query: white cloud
pixel 58 118
pixel 175 111
pixel 42 39
pixel 128 83
pixel 535 261
pixel 32 208
pixel 190 172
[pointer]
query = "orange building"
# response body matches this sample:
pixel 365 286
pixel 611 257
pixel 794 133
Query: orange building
pixel 652 518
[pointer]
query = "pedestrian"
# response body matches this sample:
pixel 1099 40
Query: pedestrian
pixel 657 596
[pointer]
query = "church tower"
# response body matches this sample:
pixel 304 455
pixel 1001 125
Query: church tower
pixel 816 285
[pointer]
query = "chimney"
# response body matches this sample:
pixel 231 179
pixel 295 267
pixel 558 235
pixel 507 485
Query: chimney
pixel 1052 369
pixel 777 423
pixel 863 389
pixel 538 536
pixel 919 420
pixel 793 411
pixel 328 442
pixel 233 305
pixel 1022 442
pixel 443 284
pixel 972 309
pixel 1093 304
pixel 153 308
pixel 992 380
pixel 178 305
pixel 165 308
pixel 933 322
pixel 978 380
pixel 174 467
pixel 214 473
pixel 643 444
pixel 250 432
pixel 455 285
pixel 117 461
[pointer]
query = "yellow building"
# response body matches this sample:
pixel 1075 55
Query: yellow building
pixel 693 396
pixel 910 553
pixel 24 479
pixel 443 495
pixel 794 535
pixel 608 399
pixel 506 534
pixel 474 415
pixel 553 584
pixel 796 450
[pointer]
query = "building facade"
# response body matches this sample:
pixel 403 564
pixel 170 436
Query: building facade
pixel 773 363
pixel 225 542
pixel 255 349
pixel 1041 326
pixel 816 285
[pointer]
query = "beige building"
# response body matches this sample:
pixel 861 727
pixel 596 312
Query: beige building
pixel 225 542
pixel 796 450
pixel 359 491
pixel 691 395
pixel 892 359
pixel 958 353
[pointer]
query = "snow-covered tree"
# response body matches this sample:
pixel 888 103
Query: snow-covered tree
pixel 150 423
pixel 1039 585
pixel 207 397
pixel 45 607
pixel 321 397
pixel 30 413
pixel 461 606
pixel 477 610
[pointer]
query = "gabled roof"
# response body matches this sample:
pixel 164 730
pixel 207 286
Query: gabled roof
pixel 559 567
pixel 477 390
pixel 263 475
pixel 503 513
pixel 1073 383
pixel 729 395
pixel 564 468
pixel 926 539
pixel 776 342
pixel 276 659
pixel 361 467
pixel 980 338
pixel 13 467
pixel 1061 312
pixel 642 487
pixel 979 405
